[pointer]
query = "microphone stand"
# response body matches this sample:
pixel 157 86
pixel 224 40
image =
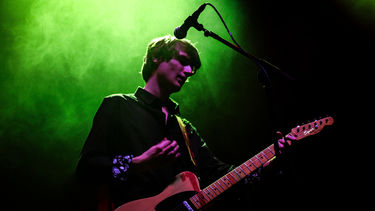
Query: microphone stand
pixel 263 75
pixel 263 64
pixel 260 62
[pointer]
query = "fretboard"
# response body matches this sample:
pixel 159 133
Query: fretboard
pixel 206 195
pixel 209 193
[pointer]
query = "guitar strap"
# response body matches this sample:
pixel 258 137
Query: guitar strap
pixel 187 140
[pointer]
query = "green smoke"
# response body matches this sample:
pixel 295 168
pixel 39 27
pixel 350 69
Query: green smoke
pixel 67 55
pixel 60 58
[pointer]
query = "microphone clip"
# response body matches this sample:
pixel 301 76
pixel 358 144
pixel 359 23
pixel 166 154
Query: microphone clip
pixel 193 21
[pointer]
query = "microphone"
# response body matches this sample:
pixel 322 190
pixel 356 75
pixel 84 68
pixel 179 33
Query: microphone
pixel 191 21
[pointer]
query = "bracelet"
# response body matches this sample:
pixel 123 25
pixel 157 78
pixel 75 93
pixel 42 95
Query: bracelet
pixel 121 164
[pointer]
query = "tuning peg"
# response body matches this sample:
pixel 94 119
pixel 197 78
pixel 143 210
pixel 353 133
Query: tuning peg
pixel 316 125
pixel 298 128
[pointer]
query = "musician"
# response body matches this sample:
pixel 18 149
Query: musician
pixel 136 145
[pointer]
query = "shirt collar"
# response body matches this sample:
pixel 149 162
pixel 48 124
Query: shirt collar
pixel 149 99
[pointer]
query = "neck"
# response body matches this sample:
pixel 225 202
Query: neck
pixel 157 91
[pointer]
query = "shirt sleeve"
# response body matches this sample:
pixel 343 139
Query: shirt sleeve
pixel 98 163
pixel 121 166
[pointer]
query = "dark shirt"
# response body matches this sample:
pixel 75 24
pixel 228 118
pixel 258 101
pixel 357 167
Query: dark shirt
pixel 129 124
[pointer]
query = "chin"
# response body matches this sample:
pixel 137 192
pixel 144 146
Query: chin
pixel 176 88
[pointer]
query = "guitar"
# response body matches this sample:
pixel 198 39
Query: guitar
pixel 185 194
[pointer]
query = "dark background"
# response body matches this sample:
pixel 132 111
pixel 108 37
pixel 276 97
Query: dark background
pixel 329 51
pixel 326 47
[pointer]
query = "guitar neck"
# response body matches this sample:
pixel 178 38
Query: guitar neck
pixel 209 193
pixel 205 196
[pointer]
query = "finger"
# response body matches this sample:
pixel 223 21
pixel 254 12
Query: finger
pixel 160 147
pixel 279 143
pixel 169 147
pixel 290 139
pixel 282 143
pixel 164 143
pixel 289 142
pixel 279 135
pixel 174 151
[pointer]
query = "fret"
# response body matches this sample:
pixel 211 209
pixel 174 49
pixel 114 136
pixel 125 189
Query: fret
pixel 256 162
pixel 246 168
pixel 231 178
pixel 227 181
pixel 264 154
pixel 236 176
pixel 250 165
pixel 202 198
pixel 208 194
pixel 215 189
pixel 241 173
pixel 225 186
pixel 200 201
pixel 218 182
pixel 261 158
pixel 213 193
pixel 271 148
pixel 268 153
pixel 196 201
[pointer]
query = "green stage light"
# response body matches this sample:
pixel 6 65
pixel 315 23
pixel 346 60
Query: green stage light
pixel 62 58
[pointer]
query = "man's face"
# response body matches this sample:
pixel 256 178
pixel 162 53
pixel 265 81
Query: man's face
pixel 172 74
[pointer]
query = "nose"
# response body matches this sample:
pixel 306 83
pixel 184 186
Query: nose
pixel 188 71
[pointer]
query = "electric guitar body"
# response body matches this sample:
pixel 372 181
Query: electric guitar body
pixel 185 185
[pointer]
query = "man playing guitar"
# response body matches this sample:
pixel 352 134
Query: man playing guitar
pixel 138 142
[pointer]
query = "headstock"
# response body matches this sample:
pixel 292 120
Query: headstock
pixel 312 128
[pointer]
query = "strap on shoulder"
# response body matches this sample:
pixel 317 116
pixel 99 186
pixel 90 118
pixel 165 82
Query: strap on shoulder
pixel 187 140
